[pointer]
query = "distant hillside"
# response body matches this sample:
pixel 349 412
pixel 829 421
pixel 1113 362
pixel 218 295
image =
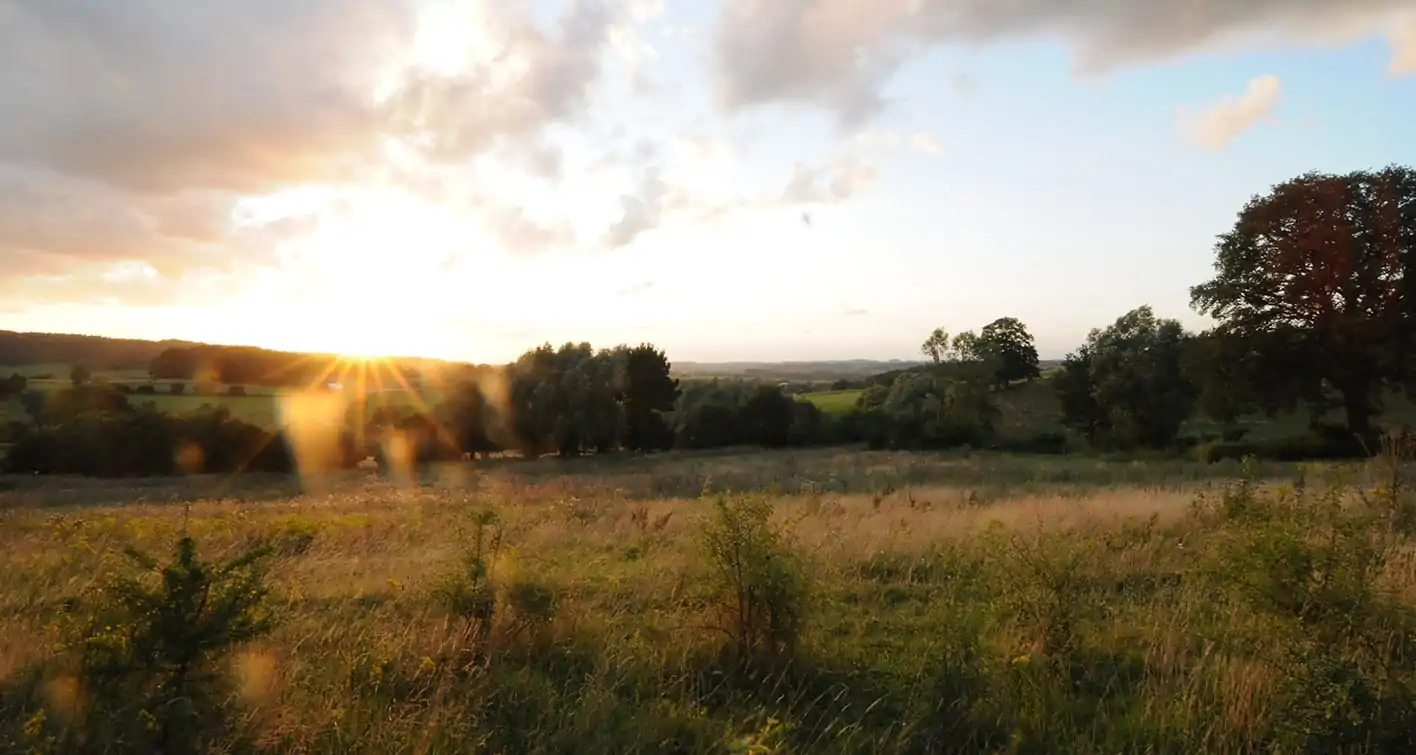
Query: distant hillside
pixel 96 352
pixel 180 359
pixel 131 354
pixel 805 370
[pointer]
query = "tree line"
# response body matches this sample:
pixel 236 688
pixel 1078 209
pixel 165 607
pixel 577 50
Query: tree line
pixel 1314 307
pixel 1314 298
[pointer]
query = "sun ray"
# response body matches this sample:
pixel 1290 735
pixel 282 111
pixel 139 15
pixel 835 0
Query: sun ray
pixel 422 407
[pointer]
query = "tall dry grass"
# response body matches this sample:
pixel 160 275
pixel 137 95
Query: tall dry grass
pixel 956 603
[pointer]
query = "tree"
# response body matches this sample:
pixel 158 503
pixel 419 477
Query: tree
pixel 968 347
pixel 566 400
pixel 767 417
pixel 1126 385
pixel 936 346
pixel 174 364
pixel 13 386
pixel 1316 272
pixel 1077 394
pixel 1234 374
pixel 1011 345
pixel 471 418
pixel 80 375
pixel 649 393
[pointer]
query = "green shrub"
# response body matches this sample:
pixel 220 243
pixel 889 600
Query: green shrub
pixel 1314 566
pixel 759 587
pixel 148 655
pixel 469 593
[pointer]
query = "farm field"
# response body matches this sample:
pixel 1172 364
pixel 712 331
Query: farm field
pixel 905 603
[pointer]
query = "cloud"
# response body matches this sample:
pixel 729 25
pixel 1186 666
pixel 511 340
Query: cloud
pixel 520 233
pixel 878 140
pixel 133 130
pixel 838 54
pixel 78 221
pixel 159 96
pixel 634 289
pixel 836 180
pixel 640 212
pixel 1218 125
pixel 1403 46
pixel 925 143
pixel 535 78
pixel 850 311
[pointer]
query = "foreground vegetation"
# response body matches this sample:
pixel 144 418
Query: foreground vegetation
pixel 778 602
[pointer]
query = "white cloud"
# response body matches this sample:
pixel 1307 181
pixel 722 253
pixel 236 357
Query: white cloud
pixel 640 212
pixel 838 54
pixel 925 143
pixel 887 140
pixel 836 180
pixel 1218 125
pixel 1403 46
pixel 132 129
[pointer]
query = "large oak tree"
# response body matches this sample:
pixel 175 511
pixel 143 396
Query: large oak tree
pixel 1315 276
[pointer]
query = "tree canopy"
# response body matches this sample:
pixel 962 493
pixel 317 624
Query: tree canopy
pixel 1010 344
pixel 1314 276
pixel 1125 386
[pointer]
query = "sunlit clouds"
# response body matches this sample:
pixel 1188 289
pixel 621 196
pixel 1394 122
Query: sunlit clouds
pixel 1403 46
pixel 467 178
pixel 1218 125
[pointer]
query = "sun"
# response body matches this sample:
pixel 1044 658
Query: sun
pixel 372 276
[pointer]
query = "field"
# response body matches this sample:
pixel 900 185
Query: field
pixel 1029 409
pixel 920 603
pixel 834 402
pixel 262 406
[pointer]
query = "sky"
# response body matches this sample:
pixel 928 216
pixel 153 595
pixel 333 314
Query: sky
pixel 728 179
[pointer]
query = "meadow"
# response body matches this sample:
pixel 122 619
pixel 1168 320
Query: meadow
pixel 766 602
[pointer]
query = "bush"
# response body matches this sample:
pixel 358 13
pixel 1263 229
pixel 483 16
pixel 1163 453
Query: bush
pixel 1313 566
pixel 177 389
pixel 469 594
pixel 1042 443
pixel 759 587
pixel 236 390
pixel 148 656
pixel 146 390
pixel 1302 448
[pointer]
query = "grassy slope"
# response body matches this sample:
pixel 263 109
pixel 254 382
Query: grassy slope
pixel 933 581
